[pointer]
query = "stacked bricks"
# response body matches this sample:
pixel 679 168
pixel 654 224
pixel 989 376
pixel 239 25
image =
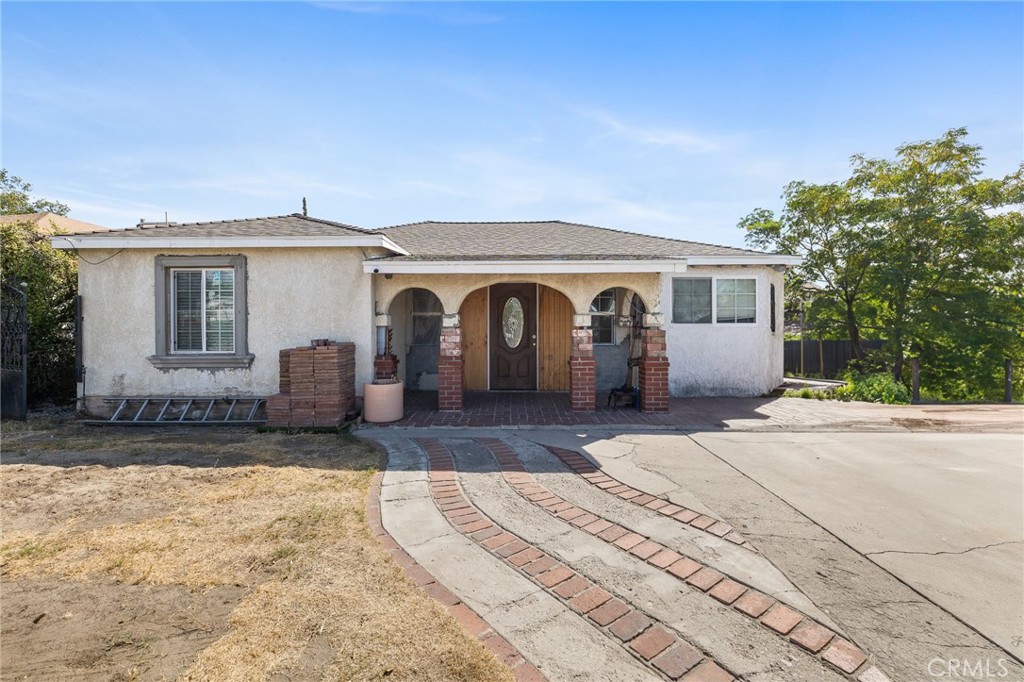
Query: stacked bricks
pixel 653 371
pixel 385 367
pixel 317 386
pixel 582 371
pixel 449 370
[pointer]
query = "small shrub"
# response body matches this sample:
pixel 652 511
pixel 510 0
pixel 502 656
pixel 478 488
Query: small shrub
pixel 874 388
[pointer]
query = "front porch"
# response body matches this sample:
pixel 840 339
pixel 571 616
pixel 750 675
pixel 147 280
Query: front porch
pixel 565 340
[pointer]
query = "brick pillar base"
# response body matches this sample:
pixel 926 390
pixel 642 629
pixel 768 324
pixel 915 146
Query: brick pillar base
pixel 582 371
pixel 653 371
pixel 449 370
pixel 385 367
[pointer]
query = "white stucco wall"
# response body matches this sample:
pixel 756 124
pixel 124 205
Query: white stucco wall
pixel 726 359
pixel 294 295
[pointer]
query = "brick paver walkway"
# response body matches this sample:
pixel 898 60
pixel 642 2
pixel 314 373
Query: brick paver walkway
pixel 656 629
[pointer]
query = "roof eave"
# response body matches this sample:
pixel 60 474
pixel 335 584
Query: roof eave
pixel 520 266
pixel 70 242
pixel 752 259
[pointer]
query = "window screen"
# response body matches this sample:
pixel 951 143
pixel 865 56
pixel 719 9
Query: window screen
pixel 426 318
pixel 602 317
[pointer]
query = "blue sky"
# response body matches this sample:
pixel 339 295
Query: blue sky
pixel 675 119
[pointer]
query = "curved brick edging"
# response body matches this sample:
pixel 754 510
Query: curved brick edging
pixel 702 522
pixel 469 619
pixel 646 639
pixel 812 637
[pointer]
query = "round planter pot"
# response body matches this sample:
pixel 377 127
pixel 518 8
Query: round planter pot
pixel 383 402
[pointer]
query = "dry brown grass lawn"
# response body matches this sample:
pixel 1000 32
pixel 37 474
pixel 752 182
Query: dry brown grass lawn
pixel 207 554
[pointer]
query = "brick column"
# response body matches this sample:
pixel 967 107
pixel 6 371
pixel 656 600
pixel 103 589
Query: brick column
pixel 449 366
pixel 385 367
pixel 653 370
pixel 582 367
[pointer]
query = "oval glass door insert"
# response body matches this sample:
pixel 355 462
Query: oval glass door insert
pixel 512 322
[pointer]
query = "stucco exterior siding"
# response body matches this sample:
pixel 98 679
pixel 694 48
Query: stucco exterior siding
pixel 294 295
pixel 726 359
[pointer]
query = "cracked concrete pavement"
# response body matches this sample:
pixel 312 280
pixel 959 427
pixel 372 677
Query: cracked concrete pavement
pixel 910 543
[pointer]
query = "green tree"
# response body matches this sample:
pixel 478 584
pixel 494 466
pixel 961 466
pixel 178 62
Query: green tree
pixel 16 199
pixel 820 224
pixel 953 249
pixel 51 279
pixel 919 250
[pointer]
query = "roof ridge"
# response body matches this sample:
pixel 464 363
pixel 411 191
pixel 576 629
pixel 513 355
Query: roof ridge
pixel 323 221
pixel 566 222
pixel 475 222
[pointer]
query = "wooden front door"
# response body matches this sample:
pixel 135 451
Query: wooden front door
pixel 513 337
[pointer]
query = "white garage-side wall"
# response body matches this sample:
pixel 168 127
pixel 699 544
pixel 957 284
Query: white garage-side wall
pixel 294 295
pixel 726 359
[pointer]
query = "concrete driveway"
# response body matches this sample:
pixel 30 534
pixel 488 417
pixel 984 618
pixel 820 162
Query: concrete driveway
pixel 943 512
pixel 887 555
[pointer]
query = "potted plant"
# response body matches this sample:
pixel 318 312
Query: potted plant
pixel 383 400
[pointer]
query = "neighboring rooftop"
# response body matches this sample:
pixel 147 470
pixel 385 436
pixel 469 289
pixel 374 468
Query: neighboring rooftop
pixel 540 240
pixel 51 223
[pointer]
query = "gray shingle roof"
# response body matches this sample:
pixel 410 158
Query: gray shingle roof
pixel 294 225
pixel 540 240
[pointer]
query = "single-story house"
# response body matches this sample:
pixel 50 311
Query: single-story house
pixel 203 309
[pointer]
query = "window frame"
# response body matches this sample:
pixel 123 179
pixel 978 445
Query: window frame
pixel 604 314
pixel 168 358
pixel 714 300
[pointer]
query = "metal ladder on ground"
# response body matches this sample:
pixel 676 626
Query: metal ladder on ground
pixel 197 411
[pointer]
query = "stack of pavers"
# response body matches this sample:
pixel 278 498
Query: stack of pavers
pixel 318 385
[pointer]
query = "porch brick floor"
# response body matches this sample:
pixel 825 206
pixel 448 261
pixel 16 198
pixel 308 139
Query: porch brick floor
pixel 484 408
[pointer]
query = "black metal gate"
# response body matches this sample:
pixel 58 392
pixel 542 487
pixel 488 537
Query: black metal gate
pixel 13 353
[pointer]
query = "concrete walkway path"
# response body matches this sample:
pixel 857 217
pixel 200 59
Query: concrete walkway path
pixel 717 556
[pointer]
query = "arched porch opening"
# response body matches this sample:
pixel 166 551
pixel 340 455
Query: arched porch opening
pixel 416 320
pixel 481 322
pixel 616 321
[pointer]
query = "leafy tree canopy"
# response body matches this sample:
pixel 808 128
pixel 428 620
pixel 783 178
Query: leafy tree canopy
pixel 16 198
pixel 918 250
pixel 51 279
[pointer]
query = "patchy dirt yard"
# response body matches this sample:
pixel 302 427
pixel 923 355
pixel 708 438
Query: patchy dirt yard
pixel 207 554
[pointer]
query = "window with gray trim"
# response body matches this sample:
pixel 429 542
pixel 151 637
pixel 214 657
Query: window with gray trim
pixel 201 312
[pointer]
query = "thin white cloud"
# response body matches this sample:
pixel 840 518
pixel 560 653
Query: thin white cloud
pixel 680 140
pixel 445 12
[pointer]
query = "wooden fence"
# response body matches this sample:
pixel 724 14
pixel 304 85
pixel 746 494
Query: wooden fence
pixel 823 358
